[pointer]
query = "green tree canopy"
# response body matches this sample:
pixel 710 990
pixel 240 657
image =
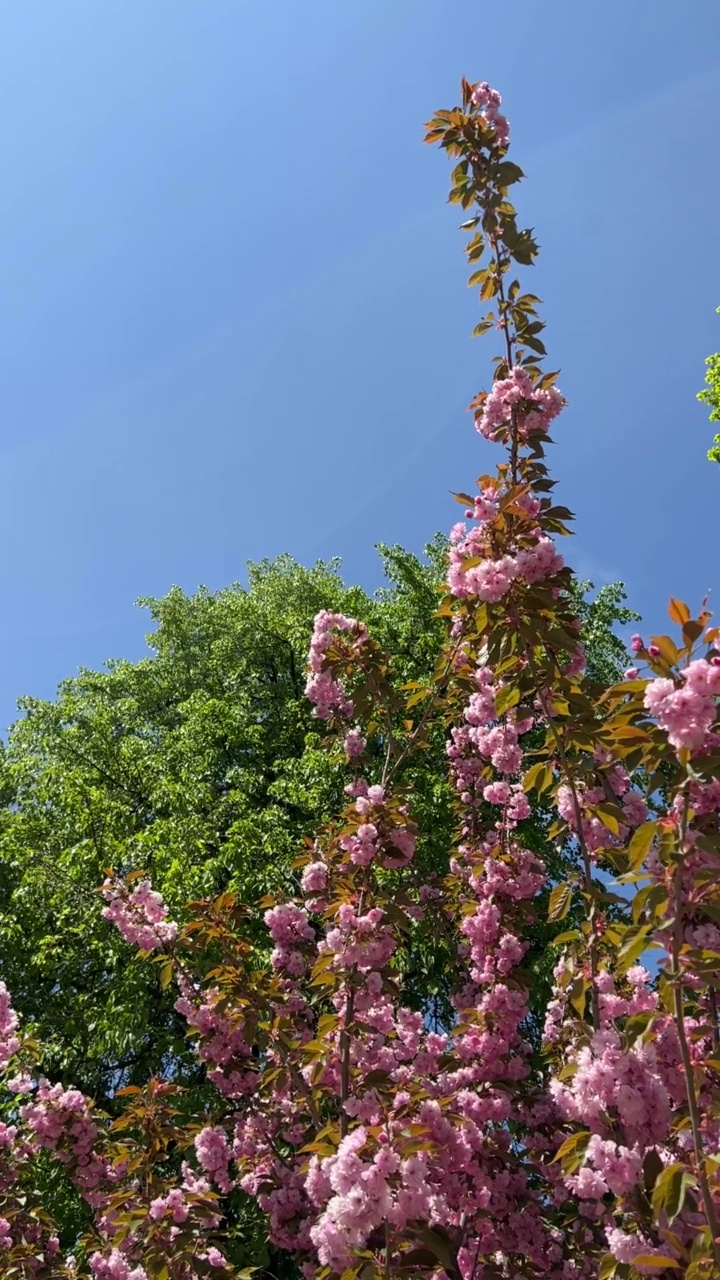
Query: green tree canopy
pixel 202 764
pixel 710 395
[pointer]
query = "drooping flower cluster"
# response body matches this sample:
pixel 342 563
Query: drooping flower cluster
pixel 609 827
pixel 9 1040
pixel 61 1120
pixel 323 689
pixel 291 933
pixel 115 1266
pixel 686 710
pixel 221 1042
pixel 487 743
pixel 139 914
pixel 489 101
pixel 118 1181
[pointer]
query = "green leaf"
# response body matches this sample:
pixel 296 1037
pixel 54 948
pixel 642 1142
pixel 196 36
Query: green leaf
pixel 540 777
pixel 636 1026
pixel 439 1244
pixel 669 651
pixel 635 941
pixel 692 632
pixel 670 1190
pixel 527 340
pixel 577 995
pixel 560 900
pixel 608 1267
pixel 610 815
pixel 571 1153
pixel 570 935
pixel 507 173
pixel 505 699
pixel 639 846
pixel 652 1168
pixel 418 1259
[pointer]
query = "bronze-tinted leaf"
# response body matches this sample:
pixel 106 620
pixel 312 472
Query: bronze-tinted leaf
pixel 669 651
pixel 678 611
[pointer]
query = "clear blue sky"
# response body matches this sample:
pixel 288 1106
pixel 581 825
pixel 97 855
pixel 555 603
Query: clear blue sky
pixel 234 318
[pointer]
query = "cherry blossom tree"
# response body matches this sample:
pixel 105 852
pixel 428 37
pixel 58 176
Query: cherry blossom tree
pixel 383 1138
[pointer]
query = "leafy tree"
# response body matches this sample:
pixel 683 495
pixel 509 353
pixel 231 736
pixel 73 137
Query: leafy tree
pixel 203 765
pixel 710 395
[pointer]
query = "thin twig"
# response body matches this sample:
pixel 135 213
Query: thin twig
pixel 679 1011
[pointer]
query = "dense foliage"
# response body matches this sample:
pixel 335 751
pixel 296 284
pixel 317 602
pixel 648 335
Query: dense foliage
pixel 204 765
pixel 710 395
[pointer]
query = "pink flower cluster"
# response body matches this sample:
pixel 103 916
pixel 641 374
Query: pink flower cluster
pixel 9 1040
pixel 639 999
pixel 596 833
pixel 354 744
pixel 286 1205
pixel 480 740
pixel 222 1044
pixel 539 562
pixel 627 1246
pixel 61 1120
pixel 491 579
pixel 214 1154
pixel 358 1195
pixel 334 1209
pixel 493 951
pixel 704 798
pixel 623 1088
pixel 381 838
pixel 489 101
pixel 363 942
pixel 475 568
pixel 115 1267
pixel 172 1205
pixel 291 932
pixel 322 688
pixel 314 879
pixel 512 798
pixel 140 916
pixel 686 711
pixel 627 1096
pixel 479 744
pixel 516 402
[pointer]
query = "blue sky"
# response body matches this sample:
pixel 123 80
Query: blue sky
pixel 234 315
